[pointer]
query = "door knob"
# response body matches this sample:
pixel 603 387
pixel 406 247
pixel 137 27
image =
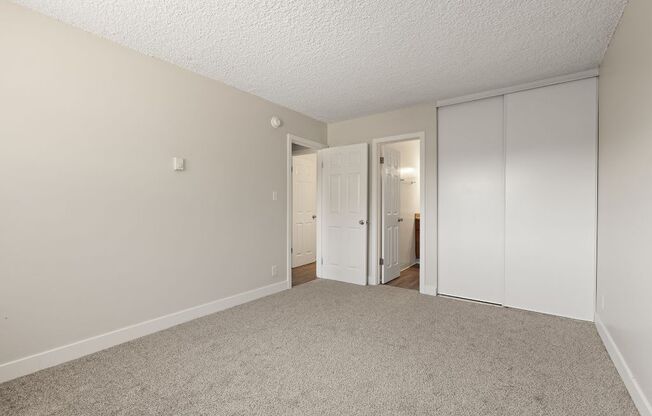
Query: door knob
pixel 314 216
pixel 361 222
pixel 400 220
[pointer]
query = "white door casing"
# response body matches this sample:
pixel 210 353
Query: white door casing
pixel 391 204
pixel 344 219
pixel 304 199
pixel 428 251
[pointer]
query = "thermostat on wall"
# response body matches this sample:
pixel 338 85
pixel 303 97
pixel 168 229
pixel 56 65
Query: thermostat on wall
pixel 178 163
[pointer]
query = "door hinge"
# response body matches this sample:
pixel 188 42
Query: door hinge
pixel 291 250
pixel 291 169
pixel 321 260
pixel 382 160
pixel 382 261
pixel 322 165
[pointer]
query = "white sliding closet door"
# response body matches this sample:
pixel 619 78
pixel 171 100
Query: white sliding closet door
pixel 551 145
pixel 471 200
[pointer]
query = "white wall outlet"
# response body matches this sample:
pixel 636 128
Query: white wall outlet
pixel 274 270
pixel 178 163
pixel 274 196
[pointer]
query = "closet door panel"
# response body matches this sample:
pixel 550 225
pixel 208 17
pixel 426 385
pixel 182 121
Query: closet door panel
pixel 471 200
pixel 550 217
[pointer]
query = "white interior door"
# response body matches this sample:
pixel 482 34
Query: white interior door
pixel 304 201
pixel 472 200
pixel 551 149
pixel 391 204
pixel 344 213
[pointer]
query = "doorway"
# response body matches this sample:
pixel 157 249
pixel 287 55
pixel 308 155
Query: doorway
pixel 304 215
pixel 398 205
pixel 302 210
pixel 400 218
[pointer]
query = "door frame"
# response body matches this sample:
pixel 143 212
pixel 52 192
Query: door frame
pixel 375 231
pixel 311 144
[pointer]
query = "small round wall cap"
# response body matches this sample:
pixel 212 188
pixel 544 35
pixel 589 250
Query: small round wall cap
pixel 275 122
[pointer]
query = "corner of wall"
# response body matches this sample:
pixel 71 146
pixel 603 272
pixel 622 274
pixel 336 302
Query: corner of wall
pixel 635 390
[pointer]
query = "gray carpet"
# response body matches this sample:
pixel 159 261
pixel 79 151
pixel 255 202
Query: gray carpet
pixel 328 348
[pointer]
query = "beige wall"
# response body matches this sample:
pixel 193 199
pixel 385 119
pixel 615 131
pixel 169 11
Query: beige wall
pixel 96 230
pixel 624 193
pixel 408 120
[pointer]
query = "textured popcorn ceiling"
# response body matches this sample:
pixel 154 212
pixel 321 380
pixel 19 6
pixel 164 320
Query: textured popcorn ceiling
pixel 335 60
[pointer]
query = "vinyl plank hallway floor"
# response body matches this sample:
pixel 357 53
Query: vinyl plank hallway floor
pixel 304 274
pixel 354 351
pixel 409 279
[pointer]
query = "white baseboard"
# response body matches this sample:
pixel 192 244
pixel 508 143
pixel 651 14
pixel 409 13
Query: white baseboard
pixel 408 265
pixel 638 396
pixel 59 355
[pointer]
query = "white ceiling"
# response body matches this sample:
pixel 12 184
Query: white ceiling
pixel 336 60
